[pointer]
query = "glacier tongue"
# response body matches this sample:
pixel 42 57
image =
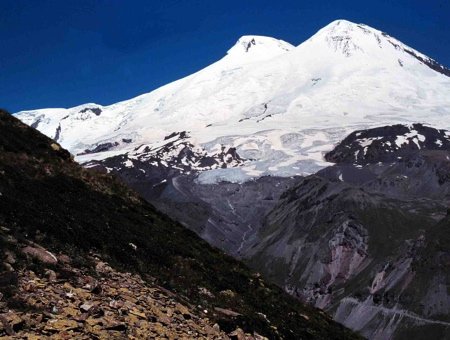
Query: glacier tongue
pixel 280 106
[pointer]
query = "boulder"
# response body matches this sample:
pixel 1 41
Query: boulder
pixel 40 254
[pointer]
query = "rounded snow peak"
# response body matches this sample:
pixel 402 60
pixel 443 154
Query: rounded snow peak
pixel 345 27
pixel 256 47
pixel 348 38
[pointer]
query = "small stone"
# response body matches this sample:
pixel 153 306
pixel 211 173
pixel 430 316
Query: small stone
pixel 206 292
pixel 238 334
pixel 8 267
pixel 102 267
pixel 228 293
pixel 64 259
pixel 61 325
pixel 51 275
pixel 116 304
pixel 227 312
pixel 85 307
pixel 10 258
pixel 137 313
pixel 55 147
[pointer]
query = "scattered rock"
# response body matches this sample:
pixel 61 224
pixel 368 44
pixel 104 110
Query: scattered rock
pixel 61 325
pixel 64 259
pixel 40 254
pixel 85 307
pixel 227 312
pixel 102 268
pixel 9 257
pixel 6 326
pixel 8 267
pixel 55 147
pixel 238 334
pixel 206 292
pixel 127 307
pixel 228 293
pixel 51 275
pixel 306 317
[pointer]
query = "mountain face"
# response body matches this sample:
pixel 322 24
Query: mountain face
pixel 324 166
pixel 279 106
pixel 366 238
pixel 61 223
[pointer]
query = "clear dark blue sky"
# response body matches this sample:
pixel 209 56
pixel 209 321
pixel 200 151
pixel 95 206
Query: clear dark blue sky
pixel 63 53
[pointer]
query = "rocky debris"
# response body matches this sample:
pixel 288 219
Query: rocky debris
pixel 125 307
pixel 112 304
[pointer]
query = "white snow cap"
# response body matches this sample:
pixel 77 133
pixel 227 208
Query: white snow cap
pixel 256 47
pixel 280 106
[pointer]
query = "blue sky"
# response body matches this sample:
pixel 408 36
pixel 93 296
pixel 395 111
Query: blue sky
pixel 64 53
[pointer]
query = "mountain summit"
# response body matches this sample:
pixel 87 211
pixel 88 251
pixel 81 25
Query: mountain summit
pixel 252 48
pixel 279 106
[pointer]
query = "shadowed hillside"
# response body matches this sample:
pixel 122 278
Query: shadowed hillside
pixel 49 201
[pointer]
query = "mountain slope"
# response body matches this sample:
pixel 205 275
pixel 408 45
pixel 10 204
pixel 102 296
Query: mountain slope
pixel 280 106
pixel 366 238
pixel 49 200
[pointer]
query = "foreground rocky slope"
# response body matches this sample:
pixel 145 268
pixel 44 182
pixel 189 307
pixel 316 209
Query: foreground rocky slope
pixel 48 201
pixel 70 303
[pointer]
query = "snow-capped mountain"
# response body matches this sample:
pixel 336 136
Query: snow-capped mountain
pixel 280 106
pixel 362 236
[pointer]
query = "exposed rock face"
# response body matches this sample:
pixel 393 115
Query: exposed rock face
pixel 174 156
pixel 227 215
pixel 95 110
pixel 363 238
pixel 100 148
pixel 388 143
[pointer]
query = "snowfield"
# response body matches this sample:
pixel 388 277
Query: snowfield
pixel 279 105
